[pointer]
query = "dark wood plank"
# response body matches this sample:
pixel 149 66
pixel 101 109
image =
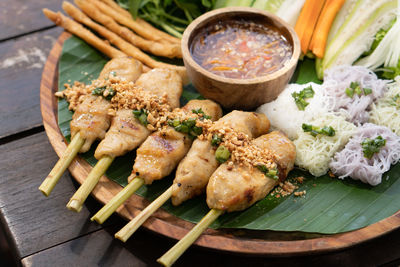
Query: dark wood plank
pixel 143 249
pixel 21 64
pixel 34 221
pixel 24 16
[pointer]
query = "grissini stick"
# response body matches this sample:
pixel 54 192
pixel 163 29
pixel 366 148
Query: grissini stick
pixel 114 39
pixel 77 29
pixel 143 23
pixel 233 187
pixel 153 47
pixel 124 67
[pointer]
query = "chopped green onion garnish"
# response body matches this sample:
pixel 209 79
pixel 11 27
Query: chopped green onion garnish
pixel 141 115
pixel 349 92
pixel 367 91
pixel 396 101
pixel 222 154
pixel 113 73
pixel 372 146
pixel 273 173
pixel 98 90
pixel 314 130
pixel 216 140
pixel 187 126
pixel 299 98
pixel 200 111
pixel 355 88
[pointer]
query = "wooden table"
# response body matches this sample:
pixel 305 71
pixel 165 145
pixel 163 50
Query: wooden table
pixel 40 231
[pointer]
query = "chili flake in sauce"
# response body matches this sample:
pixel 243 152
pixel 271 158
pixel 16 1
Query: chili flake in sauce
pixel 241 49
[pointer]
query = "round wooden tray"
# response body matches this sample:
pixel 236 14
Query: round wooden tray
pixel 238 241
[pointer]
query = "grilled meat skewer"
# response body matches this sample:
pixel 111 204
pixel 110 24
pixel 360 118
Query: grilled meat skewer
pixel 235 187
pixel 127 132
pixel 90 120
pixel 158 156
pixel 196 168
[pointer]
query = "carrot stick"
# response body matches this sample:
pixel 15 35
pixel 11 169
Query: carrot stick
pixel 308 18
pixel 325 20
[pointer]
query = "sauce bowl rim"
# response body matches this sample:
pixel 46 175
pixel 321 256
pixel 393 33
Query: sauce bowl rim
pixel 203 19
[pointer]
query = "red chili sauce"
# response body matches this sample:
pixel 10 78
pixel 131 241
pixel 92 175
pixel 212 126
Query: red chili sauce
pixel 241 49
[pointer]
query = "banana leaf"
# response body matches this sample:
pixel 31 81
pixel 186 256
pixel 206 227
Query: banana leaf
pixel 329 206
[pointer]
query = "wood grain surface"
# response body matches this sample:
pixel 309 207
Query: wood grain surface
pixel 21 66
pixel 248 242
pixel 19 17
pixel 37 222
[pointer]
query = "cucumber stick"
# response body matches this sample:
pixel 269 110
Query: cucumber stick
pixel 356 34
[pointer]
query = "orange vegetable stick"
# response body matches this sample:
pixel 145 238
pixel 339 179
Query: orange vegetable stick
pixel 307 20
pixel 320 35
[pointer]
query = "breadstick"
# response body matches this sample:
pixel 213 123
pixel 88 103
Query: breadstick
pixel 80 31
pixel 130 23
pixel 142 22
pixel 159 49
pixel 126 47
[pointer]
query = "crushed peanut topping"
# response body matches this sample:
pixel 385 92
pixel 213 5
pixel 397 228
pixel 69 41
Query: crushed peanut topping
pixel 239 145
pixel 104 87
pixel 284 189
pixel 300 193
pixel 155 113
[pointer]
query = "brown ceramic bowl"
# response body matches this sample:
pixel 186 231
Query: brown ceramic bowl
pixel 231 93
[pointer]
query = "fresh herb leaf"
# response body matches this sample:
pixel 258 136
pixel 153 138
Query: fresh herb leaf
pixel 372 146
pixel 172 16
pixel 314 130
pixel 299 98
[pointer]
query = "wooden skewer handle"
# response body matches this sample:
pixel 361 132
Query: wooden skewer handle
pixel 117 201
pixel 136 222
pixel 62 164
pixel 77 200
pixel 176 251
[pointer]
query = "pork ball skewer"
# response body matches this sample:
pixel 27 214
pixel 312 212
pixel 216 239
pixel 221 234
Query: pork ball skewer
pixel 196 168
pixel 90 120
pixel 233 187
pixel 158 156
pixel 127 132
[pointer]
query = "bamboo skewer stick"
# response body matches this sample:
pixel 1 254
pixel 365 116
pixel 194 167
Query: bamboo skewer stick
pixel 136 222
pixel 176 251
pixel 62 164
pixel 117 200
pixel 76 201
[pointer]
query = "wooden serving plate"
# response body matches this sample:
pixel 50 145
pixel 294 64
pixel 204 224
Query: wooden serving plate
pixel 239 241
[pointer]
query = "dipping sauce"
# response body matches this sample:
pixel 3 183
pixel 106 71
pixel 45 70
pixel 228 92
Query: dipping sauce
pixel 241 49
